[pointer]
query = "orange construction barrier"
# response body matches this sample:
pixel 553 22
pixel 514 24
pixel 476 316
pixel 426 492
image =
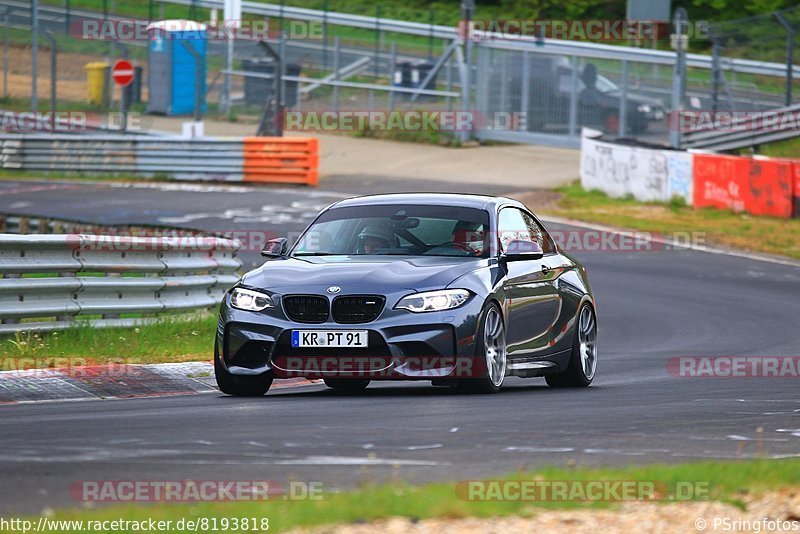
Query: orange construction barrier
pixel 761 186
pixel 284 160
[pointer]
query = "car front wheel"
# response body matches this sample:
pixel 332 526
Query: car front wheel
pixel 490 354
pixel 241 386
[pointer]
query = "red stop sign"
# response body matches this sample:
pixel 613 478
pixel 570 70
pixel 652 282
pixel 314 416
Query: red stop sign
pixel 122 72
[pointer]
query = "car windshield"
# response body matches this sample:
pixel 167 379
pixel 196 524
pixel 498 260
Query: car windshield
pixel 604 85
pixel 402 230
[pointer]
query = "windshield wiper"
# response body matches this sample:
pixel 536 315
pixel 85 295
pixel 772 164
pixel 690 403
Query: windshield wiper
pixel 316 254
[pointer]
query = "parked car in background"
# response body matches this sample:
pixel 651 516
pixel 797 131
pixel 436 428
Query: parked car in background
pixel 551 83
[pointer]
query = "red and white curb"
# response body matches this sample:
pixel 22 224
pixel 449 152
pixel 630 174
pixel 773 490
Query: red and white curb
pixel 114 381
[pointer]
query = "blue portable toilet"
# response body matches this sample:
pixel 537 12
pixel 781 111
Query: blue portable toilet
pixel 172 69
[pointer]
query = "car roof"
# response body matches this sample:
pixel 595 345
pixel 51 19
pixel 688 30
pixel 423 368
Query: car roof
pixel 484 202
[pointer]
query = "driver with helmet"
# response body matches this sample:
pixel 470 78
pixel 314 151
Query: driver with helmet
pixel 374 237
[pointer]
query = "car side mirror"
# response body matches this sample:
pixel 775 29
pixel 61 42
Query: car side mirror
pixel 519 250
pixel 275 248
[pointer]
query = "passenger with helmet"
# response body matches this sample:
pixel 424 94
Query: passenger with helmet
pixel 469 237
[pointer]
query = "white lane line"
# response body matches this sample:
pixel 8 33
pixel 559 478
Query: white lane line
pixel 538 449
pixel 423 447
pixel 192 187
pixel 353 460
pixel 648 236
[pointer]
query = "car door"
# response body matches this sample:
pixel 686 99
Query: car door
pixel 532 301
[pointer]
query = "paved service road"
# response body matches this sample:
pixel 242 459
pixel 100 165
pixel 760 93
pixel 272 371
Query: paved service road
pixel 252 214
pixel 653 306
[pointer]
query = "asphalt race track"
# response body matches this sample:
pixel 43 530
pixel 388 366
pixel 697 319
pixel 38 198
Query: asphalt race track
pixel 653 306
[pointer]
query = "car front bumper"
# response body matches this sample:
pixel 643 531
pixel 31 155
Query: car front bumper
pixel 402 345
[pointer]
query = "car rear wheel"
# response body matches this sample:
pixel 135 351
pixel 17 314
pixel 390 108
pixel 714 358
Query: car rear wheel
pixel 490 354
pixel 583 361
pixel 241 386
pixel 346 384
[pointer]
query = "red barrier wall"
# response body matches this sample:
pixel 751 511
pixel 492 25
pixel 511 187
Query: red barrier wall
pixel 760 186
pixel 796 189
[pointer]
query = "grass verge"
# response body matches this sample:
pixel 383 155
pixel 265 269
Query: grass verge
pixel 725 481
pixel 788 148
pixel 709 226
pixel 175 339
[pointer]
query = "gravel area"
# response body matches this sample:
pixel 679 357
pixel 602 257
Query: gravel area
pixel 709 516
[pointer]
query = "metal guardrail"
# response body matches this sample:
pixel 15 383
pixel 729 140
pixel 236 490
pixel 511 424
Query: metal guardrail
pixel 11 223
pixel 120 154
pixel 343 83
pixel 745 131
pixel 48 281
pixel 84 127
pixel 283 159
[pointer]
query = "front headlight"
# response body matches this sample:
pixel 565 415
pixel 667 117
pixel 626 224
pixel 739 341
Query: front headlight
pixel 446 299
pixel 249 300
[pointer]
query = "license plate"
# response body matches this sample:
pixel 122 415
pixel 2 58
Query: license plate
pixel 329 338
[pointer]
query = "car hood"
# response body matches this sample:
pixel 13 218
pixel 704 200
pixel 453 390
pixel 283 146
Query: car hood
pixel 353 274
pixel 635 98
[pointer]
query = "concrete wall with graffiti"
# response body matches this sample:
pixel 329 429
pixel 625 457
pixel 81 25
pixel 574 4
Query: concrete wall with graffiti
pixel 758 185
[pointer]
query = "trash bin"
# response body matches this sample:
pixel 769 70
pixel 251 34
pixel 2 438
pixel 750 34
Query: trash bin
pixel 290 88
pixel 135 95
pixel 95 80
pixel 423 69
pixel 403 76
pixel 257 90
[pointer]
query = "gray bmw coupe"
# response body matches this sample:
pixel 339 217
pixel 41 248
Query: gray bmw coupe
pixel 461 290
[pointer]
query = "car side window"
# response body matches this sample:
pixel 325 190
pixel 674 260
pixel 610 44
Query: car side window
pixel 565 80
pixel 539 234
pixel 511 227
pixel 515 225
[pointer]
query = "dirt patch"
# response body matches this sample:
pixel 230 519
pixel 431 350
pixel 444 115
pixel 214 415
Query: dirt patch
pixel 71 74
pixel 71 68
pixel 538 200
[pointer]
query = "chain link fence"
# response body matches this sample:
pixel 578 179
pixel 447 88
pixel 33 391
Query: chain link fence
pixel 538 90
pixel 557 94
pixel 772 38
